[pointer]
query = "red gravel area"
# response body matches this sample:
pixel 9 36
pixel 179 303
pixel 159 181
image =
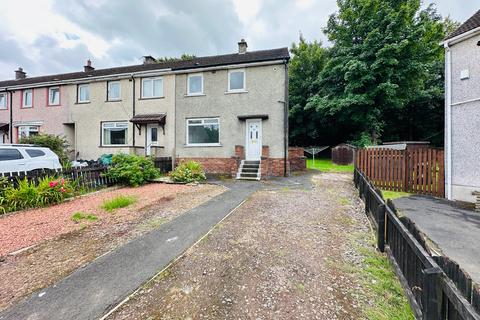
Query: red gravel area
pixel 27 228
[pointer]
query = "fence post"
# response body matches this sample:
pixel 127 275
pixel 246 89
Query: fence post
pixel 432 293
pixel 381 228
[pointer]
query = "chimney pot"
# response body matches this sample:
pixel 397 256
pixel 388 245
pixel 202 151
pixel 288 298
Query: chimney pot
pixel 149 60
pixel 88 67
pixel 20 74
pixel 242 46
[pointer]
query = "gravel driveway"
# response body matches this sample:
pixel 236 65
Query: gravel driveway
pixel 284 254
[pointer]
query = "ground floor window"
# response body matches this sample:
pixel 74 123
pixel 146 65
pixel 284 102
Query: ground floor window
pixel 114 133
pixel 204 131
pixel 27 131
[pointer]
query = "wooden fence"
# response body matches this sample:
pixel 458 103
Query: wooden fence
pixel 87 177
pixel 164 164
pixel 430 291
pixel 417 171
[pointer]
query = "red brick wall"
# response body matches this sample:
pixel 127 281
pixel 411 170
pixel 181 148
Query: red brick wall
pixel 298 162
pixel 216 165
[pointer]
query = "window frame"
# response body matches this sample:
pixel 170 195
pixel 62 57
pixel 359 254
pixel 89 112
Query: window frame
pixel 5 106
pixel 102 129
pixel 20 129
pixel 49 102
pixel 83 85
pixel 152 79
pixel 24 92
pixel 119 91
pixel 189 144
pixel 244 89
pixel 191 75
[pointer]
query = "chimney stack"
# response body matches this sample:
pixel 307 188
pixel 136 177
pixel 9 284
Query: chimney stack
pixel 242 46
pixel 88 67
pixel 20 74
pixel 149 60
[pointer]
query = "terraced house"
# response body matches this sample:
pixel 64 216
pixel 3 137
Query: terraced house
pixel 222 111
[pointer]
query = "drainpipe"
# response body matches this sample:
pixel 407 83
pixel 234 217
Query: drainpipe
pixel 285 122
pixel 10 125
pixel 174 153
pixel 133 109
pixel 448 119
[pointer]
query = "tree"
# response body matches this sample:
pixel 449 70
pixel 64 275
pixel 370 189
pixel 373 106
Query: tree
pixel 184 56
pixel 307 62
pixel 384 61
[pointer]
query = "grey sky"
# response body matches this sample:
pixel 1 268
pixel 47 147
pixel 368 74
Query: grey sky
pixel 53 36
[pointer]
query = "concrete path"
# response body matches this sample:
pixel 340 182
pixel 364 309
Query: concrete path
pixel 456 231
pixel 91 292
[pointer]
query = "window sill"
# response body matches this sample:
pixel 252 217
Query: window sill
pixel 236 92
pixel 3 109
pixel 151 98
pixel 53 105
pixel 195 95
pixel 202 145
pixel 83 102
pixel 26 107
pixel 115 146
pixel 119 100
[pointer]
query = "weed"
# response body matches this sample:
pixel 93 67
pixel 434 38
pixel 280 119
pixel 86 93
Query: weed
pixel 344 201
pixel 118 202
pixel 80 216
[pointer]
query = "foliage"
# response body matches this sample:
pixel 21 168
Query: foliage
pixel 80 216
pixel 308 60
pixel 59 145
pixel 47 191
pixel 184 56
pixel 132 169
pixel 326 165
pixel 189 171
pixel 382 78
pixel 118 202
pixel 387 194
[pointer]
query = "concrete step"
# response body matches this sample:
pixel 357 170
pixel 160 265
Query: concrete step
pixel 243 174
pixel 250 166
pixel 251 162
pixel 249 170
pixel 248 178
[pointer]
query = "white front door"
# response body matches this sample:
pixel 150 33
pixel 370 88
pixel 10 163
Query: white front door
pixel 152 138
pixel 254 139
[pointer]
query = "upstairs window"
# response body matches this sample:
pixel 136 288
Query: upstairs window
pixel 195 84
pixel 203 132
pixel 114 133
pixel 83 94
pixel 113 91
pixel 54 96
pixel 236 80
pixel 27 98
pixel 152 88
pixel 3 101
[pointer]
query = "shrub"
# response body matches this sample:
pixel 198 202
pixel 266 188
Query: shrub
pixel 189 171
pixel 132 169
pixel 57 144
pixel 118 202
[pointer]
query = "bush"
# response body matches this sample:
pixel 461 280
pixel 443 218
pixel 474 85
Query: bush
pixel 57 144
pixel 48 191
pixel 189 171
pixel 132 169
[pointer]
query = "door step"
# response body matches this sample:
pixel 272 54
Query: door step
pixel 249 170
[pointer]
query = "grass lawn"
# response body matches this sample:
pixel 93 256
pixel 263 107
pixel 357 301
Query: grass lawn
pixel 326 165
pixel 387 194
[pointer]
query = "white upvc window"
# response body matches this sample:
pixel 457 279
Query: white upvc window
pixel 27 98
pixel 203 132
pixel 3 101
pixel 115 133
pixel 195 84
pixel 83 94
pixel 113 91
pixel 236 80
pixel 27 131
pixel 152 88
pixel 54 96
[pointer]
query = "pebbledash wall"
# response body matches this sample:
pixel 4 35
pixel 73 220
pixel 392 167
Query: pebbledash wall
pixel 465 119
pixel 264 95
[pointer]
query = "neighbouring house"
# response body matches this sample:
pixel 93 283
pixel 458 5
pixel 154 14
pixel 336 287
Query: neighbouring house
pixel 228 112
pixel 462 106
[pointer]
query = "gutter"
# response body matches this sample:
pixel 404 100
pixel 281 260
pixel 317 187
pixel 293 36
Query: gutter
pixel 448 120
pixel 158 72
pixel 460 37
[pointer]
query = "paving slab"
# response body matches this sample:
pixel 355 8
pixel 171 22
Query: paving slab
pixel 456 231
pixel 90 292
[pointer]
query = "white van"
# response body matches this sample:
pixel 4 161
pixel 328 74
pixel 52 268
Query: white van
pixel 25 157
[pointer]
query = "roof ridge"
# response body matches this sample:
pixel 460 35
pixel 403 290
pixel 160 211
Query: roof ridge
pixel 471 23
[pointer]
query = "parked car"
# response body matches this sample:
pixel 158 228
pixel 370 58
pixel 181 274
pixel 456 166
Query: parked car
pixel 24 157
